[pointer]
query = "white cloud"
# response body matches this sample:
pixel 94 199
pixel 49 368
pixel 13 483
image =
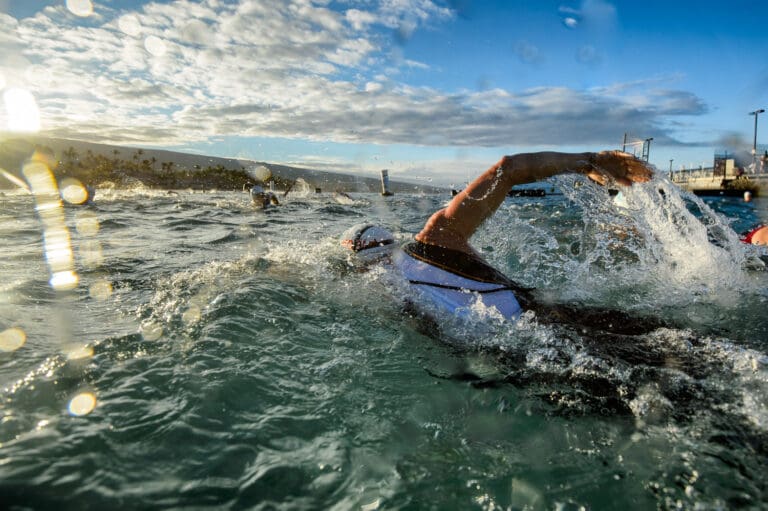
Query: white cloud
pixel 373 87
pixel 570 22
pixel 394 12
pixel 184 71
pixel 360 20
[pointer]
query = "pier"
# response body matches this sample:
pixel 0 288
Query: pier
pixel 725 178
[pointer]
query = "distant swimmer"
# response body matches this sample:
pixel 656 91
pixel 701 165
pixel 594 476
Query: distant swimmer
pixel 757 236
pixel 343 198
pixel 451 275
pixel 262 198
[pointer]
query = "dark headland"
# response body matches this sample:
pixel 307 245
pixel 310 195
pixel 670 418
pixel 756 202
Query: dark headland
pixel 121 166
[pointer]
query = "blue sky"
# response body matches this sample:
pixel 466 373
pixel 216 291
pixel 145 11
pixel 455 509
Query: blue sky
pixel 433 90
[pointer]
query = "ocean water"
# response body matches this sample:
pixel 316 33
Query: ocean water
pixel 198 353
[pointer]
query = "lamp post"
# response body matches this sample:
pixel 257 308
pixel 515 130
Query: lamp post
pixel 647 148
pixel 670 169
pixel 754 141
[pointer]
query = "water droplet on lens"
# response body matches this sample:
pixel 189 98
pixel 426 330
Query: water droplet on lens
pixel 73 191
pixel 82 404
pixel 100 290
pixel 155 46
pixel 12 339
pixel 130 25
pixel 82 8
pixel 87 224
pixel 78 351
pixel 151 331
pixel 191 315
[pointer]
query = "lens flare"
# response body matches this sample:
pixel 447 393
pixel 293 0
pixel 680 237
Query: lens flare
pixel 64 280
pixel 56 241
pixel 73 191
pixel 12 339
pixel 22 112
pixel 82 404
pixel 82 8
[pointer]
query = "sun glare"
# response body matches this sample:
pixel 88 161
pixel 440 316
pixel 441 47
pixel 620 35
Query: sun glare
pixel 22 111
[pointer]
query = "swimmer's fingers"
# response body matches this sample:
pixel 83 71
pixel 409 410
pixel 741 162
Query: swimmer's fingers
pixel 598 174
pixel 598 177
pixel 624 167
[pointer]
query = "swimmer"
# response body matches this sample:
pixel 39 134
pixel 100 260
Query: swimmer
pixel 448 272
pixel 757 236
pixel 261 198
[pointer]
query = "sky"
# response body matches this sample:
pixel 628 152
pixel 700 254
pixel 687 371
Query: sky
pixel 433 90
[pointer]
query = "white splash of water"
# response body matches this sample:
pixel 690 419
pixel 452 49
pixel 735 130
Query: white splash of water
pixel 657 246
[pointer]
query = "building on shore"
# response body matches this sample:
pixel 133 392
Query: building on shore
pixel 730 175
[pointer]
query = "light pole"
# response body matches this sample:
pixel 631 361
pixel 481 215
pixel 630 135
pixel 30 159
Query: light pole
pixel 670 169
pixel 647 148
pixel 754 141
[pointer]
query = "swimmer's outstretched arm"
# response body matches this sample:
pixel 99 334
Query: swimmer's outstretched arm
pixel 453 226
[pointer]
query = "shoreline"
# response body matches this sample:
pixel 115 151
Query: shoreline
pixel 94 164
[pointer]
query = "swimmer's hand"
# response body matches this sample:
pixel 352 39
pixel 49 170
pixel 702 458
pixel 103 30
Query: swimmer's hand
pixel 619 167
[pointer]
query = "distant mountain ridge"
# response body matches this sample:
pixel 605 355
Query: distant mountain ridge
pixel 15 149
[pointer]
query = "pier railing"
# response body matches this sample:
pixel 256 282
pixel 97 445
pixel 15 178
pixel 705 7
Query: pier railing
pixel 683 176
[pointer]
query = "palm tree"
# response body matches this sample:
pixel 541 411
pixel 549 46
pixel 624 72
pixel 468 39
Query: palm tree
pixel 70 156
